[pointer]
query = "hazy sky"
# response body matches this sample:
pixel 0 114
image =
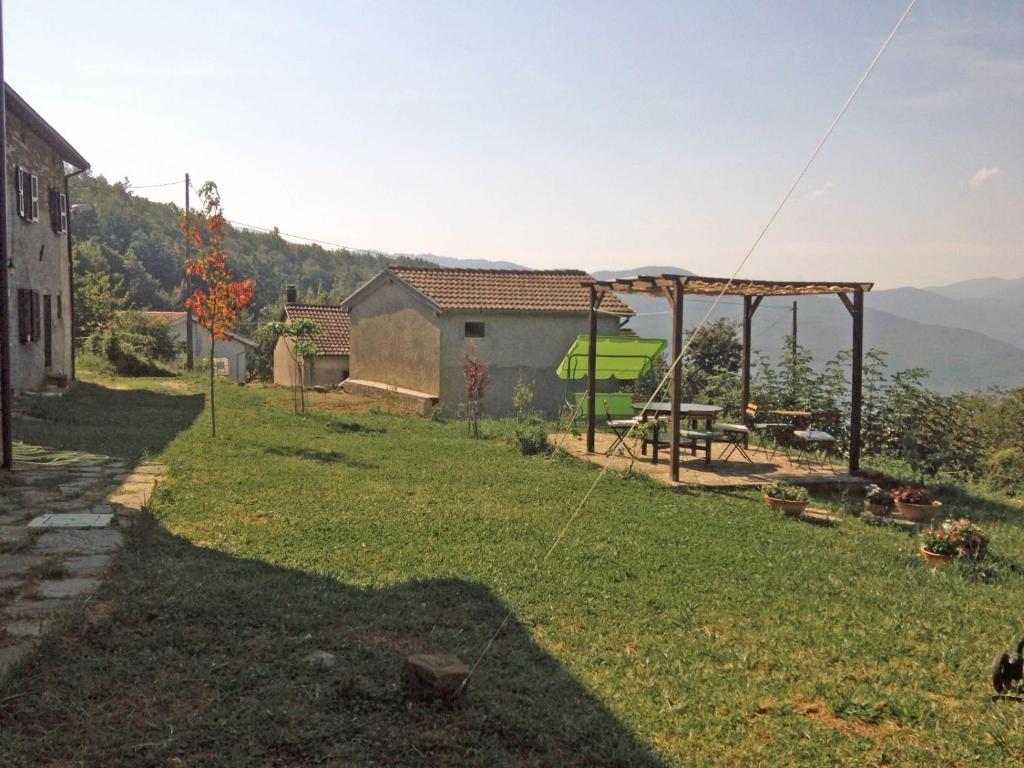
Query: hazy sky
pixel 589 134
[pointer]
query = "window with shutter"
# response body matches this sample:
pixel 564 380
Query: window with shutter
pixel 34 201
pixel 62 207
pixel 19 182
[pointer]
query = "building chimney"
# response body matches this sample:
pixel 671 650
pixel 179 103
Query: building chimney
pixel 290 294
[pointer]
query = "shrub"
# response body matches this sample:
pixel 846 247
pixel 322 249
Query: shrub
pixel 957 538
pixel 125 352
pixel 531 438
pixel 786 492
pixel 1004 470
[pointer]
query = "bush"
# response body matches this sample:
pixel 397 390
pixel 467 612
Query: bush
pixel 786 492
pixel 1004 470
pixel 531 438
pixel 149 337
pixel 125 353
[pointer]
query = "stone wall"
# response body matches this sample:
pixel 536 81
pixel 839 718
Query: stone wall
pixel 40 259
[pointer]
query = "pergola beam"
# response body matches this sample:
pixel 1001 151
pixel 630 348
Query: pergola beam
pixel 677 375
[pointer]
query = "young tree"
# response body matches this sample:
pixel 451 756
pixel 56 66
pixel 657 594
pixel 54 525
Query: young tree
pixel 477 379
pixel 218 302
pixel 300 334
pixel 96 302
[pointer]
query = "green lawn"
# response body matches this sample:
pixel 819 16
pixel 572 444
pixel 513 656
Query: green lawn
pixel 668 628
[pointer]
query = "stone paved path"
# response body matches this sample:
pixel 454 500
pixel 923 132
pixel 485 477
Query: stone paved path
pixel 77 510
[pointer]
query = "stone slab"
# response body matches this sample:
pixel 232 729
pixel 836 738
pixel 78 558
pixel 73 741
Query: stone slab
pixel 27 628
pixel 87 565
pixel 88 542
pixel 71 520
pixel 12 534
pixel 11 654
pixel 63 588
pixel 17 564
pixel 28 608
pixel 10 585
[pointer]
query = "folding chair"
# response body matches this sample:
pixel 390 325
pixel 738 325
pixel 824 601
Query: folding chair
pixel 736 437
pixel 768 429
pixel 810 440
pixel 621 428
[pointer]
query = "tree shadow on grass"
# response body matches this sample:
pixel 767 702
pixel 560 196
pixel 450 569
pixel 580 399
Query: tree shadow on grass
pixel 353 427
pixel 324 457
pixel 118 422
pixel 192 656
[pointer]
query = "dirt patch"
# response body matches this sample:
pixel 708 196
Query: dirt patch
pixel 822 714
pixel 334 401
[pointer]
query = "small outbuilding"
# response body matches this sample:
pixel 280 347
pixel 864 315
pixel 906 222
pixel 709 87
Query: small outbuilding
pixel 230 355
pixel 410 328
pixel 330 366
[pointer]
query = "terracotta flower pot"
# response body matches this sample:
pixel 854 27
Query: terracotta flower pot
pixel 880 510
pixel 791 508
pixel 918 513
pixel 936 559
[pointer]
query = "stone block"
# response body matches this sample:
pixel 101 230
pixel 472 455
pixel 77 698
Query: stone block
pixel 436 676
pixel 71 520
pixel 87 565
pixel 89 542
pixel 66 588
pixel 18 564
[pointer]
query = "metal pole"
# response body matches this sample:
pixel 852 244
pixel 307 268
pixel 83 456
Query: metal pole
pixel 591 369
pixel 189 353
pixel 5 317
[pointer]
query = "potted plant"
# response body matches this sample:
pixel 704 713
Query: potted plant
pixel 952 540
pixel 915 504
pixel 878 501
pixel 793 499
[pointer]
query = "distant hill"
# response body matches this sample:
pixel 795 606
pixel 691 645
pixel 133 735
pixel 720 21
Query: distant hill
pixel 448 261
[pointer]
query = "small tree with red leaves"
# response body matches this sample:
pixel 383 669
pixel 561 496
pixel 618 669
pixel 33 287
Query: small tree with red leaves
pixel 217 304
pixel 477 379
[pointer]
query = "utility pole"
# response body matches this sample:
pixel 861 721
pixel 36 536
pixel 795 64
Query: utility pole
pixel 5 316
pixel 792 342
pixel 189 352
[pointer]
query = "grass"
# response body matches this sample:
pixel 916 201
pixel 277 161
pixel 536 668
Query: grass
pixel 670 628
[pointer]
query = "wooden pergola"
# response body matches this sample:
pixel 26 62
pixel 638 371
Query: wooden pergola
pixel 675 287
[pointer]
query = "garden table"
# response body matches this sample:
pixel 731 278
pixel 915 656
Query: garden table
pixel 693 411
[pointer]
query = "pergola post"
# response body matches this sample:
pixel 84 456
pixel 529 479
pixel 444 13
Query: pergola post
pixel 591 369
pixel 856 380
pixel 677 374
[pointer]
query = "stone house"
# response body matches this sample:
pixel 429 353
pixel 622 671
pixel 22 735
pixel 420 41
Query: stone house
pixel 230 355
pixel 39 274
pixel 330 366
pixel 412 326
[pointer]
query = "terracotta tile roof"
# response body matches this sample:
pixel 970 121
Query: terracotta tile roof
pixel 560 290
pixel 336 335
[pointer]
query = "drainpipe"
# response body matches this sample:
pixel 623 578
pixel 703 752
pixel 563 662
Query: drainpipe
pixel 71 272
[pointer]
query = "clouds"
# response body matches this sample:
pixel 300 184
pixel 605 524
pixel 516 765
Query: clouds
pixel 821 191
pixel 982 176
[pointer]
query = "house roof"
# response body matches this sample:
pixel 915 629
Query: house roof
pixel 503 290
pixel 16 105
pixel 336 331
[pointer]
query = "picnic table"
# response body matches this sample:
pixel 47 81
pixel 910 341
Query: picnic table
pixel 694 412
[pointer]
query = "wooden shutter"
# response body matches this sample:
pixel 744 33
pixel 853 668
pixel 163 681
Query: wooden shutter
pixel 54 207
pixel 34 190
pixel 62 208
pixel 19 181
pixel 23 320
pixel 37 317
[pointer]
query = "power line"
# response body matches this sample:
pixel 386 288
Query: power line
pixel 151 186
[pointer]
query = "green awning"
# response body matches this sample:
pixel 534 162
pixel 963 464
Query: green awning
pixel 618 357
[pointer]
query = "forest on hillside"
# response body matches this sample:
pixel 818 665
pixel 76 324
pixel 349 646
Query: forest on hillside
pixel 133 248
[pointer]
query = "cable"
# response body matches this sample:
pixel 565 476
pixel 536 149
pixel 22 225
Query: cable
pixel 696 331
pixel 151 186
